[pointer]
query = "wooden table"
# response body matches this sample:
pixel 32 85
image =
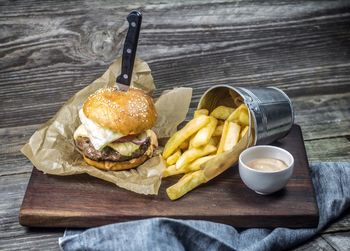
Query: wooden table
pixel 50 50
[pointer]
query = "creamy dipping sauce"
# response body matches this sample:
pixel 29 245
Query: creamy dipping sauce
pixel 267 165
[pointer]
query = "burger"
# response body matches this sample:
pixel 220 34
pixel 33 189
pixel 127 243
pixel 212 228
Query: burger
pixel 115 129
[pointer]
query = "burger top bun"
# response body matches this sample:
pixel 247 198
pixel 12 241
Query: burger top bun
pixel 130 112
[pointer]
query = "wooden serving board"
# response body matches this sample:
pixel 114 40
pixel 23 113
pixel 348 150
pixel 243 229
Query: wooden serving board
pixel 84 201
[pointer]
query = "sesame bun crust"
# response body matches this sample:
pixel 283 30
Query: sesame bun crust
pixel 124 165
pixel 130 112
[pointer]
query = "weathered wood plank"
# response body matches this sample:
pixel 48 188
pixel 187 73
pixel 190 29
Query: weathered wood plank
pixel 34 241
pixel 333 149
pixel 323 116
pixel 342 224
pixel 339 241
pixel 47 58
pixel 12 161
pixel 316 244
pixel 12 235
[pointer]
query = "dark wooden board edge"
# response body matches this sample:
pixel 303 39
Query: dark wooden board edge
pixel 28 217
pixel 315 218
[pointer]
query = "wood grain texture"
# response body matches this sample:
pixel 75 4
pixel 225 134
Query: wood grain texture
pixel 58 55
pixel 332 149
pixel 220 200
pixel 51 49
pixel 323 116
pixel 13 236
pixel 317 244
pixel 339 241
pixel 341 225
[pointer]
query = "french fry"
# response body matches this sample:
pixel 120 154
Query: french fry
pixel 194 153
pixel 222 112
pixel 184 145
pixel 229 136
pixel 218 130
pixel 203 136
pixel 171 170
pixel 200 112
pixel 232 136
pixel 196 165
pixel 192 180
pixel 244 131
pixel 171 160
pixel 193 166
pixel 223 138
pixel 180 136
pixel 244 118
pixel 224 131
pixel 190 142
pixel 187 183
pixel 240 115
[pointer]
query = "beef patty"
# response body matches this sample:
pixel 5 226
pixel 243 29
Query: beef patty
pixel 108 153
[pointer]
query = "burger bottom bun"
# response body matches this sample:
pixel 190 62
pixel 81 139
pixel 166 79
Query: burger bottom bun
pixel 116 166
pixel 123 165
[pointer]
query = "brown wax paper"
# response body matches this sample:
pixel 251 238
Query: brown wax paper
pixel 223 161
pixel 51 148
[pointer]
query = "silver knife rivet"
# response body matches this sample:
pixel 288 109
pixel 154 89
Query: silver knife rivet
pixel 128 51
pixel 125 76
pixel 133 24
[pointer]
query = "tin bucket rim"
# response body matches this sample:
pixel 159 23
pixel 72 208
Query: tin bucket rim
pixel 251 113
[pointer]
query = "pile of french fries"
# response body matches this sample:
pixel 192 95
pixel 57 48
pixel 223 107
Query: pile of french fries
pixel 201 139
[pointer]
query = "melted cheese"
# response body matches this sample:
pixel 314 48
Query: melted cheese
pixel 125 149
pixel 99 136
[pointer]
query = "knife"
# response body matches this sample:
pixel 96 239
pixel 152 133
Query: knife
pixel 129 52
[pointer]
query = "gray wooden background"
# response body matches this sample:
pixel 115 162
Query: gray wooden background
pixel 51 49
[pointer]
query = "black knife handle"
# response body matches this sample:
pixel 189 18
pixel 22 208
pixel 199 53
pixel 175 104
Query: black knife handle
pixel 130 46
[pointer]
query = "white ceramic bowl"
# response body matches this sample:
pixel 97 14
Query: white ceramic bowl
pixel 263 182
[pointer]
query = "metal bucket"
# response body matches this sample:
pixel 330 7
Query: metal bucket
pixel 271 111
